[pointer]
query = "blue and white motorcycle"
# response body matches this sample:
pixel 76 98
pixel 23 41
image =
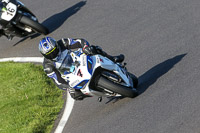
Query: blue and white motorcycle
pixel 18 20
pixel 97 75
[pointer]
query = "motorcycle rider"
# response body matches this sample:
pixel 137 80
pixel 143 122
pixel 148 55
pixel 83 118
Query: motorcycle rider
pixel 7 29
pixel 5 25
pixel 54 51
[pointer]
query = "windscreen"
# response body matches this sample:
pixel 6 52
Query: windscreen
pixel 67 65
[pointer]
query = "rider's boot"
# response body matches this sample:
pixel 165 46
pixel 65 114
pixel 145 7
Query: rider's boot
pixel 119 58
pixel 78 95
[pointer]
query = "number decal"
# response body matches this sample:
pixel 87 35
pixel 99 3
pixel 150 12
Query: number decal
pixel 10 12
pixel 79 73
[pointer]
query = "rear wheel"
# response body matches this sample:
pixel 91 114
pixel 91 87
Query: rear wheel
pixel 105 83
pixel 35 25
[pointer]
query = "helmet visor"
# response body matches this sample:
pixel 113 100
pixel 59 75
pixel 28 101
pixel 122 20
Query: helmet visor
pixel 52 54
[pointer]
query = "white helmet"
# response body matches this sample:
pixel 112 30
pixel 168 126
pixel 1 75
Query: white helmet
pixel 48 47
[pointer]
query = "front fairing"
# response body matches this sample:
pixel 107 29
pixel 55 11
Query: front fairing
pixel 107 64
pixel 82 71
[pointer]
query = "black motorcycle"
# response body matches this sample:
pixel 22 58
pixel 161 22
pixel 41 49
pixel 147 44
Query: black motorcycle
pixel 17 20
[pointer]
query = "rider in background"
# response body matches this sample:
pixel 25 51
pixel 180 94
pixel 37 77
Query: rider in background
pixel 5 25
pixel 54 53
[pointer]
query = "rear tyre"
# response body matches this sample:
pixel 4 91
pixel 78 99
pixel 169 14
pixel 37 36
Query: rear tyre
pixel 35 25
pixel 104 83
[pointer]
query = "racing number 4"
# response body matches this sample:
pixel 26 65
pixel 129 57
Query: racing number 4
pixel 79 73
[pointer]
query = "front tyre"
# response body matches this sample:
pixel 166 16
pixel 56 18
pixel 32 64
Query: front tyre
pixel 104 83
pixel 135 80
pixel 35 25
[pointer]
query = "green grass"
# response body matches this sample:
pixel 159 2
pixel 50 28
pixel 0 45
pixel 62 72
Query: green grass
pixel 29 100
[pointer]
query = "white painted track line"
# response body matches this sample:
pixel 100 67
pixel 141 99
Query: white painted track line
pixel 69 102
pixel 23 59
pixel 66 114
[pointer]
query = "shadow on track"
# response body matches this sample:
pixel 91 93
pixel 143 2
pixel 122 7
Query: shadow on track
pixel 31 37
pixel 151 76
pixel 55 21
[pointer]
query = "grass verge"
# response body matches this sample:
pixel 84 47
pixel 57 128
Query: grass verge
pixel 29 100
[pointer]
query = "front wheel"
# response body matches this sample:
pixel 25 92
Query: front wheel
pixel 135 80
pixel 35 25
pixel 105 83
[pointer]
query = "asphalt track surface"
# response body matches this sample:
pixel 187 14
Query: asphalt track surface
pixel 160 40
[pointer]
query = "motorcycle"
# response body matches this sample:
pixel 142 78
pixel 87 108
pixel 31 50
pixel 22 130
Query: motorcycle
pixel 97 75
pixel 17 20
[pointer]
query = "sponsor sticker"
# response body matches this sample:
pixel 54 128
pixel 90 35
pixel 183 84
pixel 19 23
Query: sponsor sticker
pixel 75 83
pixel 84 61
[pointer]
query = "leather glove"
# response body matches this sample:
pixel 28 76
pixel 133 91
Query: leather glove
pixel 98 50
pixel 89 50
